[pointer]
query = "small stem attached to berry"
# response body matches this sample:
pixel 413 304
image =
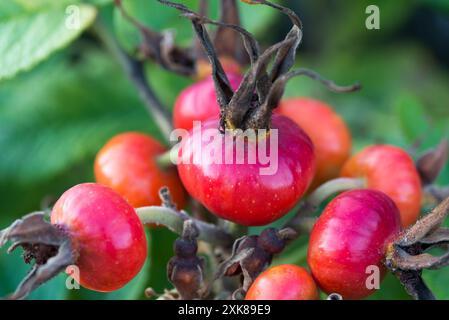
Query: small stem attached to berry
pixel 174 221
pixel 165 160
pixel 314 200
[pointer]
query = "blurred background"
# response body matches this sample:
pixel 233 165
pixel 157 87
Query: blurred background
pixel 58 107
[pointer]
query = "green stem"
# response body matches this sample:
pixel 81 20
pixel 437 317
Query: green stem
pixel 331 187
pixel 165 160
pixel 174 221
pixel 314 200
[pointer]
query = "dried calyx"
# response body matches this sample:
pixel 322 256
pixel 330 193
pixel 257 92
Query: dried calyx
pixel 186 270
pixel 261 90
pixel 409 254
pixel 48 246
pixel 161 47
pixel 252 254
pixel 429 166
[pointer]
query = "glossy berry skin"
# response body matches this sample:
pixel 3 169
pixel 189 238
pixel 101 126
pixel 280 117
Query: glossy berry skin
pixel 391 170
pixel 106 234
pixel 350 235
pixel 328 131
pixel 283 282
pixel 127 164
pixel 198 102
pixel 239 192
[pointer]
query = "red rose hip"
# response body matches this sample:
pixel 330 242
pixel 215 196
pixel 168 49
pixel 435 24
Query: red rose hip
pixel 329 133
pixel 239 191
pixel 351 235
pixel 106 234
pixel 283 282
pixel 128 165
pixel 391 170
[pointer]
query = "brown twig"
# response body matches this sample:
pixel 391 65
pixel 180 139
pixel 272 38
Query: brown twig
pixel 135 70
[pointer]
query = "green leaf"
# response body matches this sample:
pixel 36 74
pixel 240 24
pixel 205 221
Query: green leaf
pixel 437 281
pixel 412 117
pixel 72 112
pixel 31 38
pixel 31 5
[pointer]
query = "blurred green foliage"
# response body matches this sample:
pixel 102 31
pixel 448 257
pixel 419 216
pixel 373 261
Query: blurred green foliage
pixel 55 117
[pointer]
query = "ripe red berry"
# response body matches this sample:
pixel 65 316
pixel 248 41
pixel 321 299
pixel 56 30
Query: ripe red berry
pixel 238 191
pixel 351 235
pixel 329 133
pixel 391 170
pixel 127 164
pixel 198 102
pixel 283 282
pixel 106 234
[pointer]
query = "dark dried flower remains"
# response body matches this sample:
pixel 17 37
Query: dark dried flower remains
pixel 261 89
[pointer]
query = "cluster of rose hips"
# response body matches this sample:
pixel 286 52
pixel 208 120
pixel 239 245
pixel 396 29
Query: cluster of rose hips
pixel 359 228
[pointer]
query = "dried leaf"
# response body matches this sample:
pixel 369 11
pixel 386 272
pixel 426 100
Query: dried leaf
pixel 423 227
pixel 42 242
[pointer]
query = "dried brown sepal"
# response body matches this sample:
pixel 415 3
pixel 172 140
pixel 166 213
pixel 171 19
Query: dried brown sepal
pixel 253 254
pixel 186 270
pixel 250 107
pixel 161 47
pixel 407 255
pixel 425 226
pixel 431 163
pixel 48 246
pixel 226 41
pixel 290 13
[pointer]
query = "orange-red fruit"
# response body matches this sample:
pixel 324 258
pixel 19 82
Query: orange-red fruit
pixel 283 282
pixel 128 165
pixel 329 133
pixel 391 170
pixel 106 234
